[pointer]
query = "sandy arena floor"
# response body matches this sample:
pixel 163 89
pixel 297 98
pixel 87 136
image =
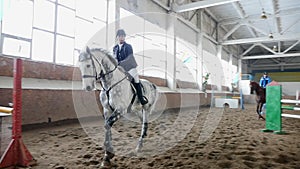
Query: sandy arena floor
pixel 235 143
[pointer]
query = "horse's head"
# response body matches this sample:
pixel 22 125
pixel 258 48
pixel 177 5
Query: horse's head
pixel 88 69
pixel 253 86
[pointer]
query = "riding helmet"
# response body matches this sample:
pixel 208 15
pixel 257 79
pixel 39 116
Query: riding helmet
pixel 121 32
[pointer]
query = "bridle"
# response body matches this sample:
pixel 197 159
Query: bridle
pixel 101 75
pixel 97 76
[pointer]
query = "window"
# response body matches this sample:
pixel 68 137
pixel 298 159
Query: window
pixel 83 33
pixel 13 21
pixel 186 61
pixel 42 19
pixel 84 9
pixel 85 30
pixel 28 27
pixel 99 9
pixel 155 63
pixel 154 46
pixel 99 26
pixel 64 50
pixel 68 3
pixel 16 47
pixel 65 21
pixel 127 21
pixel 136 41
pixel 42 46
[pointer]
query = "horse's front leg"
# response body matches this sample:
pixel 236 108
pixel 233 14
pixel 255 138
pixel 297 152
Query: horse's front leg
pixel 143 131
pixel 259 111
pixel 110 119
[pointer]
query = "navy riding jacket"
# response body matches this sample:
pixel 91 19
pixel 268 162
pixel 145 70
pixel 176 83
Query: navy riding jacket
pixel 125 56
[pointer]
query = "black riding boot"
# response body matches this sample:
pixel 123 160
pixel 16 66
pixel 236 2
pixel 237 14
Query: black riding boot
pixel 139 91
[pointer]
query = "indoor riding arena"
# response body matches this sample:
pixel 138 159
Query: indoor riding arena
pixel 141 84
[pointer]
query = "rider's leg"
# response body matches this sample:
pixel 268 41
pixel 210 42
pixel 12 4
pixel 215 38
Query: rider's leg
pixel 137 84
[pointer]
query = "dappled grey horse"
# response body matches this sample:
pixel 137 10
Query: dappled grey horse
pixel 117 95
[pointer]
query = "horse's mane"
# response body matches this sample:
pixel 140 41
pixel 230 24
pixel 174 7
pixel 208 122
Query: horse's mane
pixel 106 53
pixel 257 88
pixel 256 84
pixel 110 57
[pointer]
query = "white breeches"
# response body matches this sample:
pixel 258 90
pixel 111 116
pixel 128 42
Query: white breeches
pixel 133 72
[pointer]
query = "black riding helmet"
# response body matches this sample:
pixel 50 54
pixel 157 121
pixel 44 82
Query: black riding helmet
pixel 265 73
pixel 120 32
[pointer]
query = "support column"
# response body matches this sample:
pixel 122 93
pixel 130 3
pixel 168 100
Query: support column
pixel 240 72
pixel 200 62
pixel 112 22
pixel 171 51
pixel 230 64
pixel 222 78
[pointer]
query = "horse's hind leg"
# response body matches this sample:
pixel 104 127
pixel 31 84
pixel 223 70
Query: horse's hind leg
pixel 258 110
pixel 143 132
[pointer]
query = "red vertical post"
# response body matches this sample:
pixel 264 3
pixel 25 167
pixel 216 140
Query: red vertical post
pixel 16 153
pixel 17 99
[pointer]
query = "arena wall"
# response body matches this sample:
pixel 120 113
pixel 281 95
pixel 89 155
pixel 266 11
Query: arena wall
pixel 42 104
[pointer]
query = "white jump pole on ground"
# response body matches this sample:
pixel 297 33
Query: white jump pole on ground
pixel 297 96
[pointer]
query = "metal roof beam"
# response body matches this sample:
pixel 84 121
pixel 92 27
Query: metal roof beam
pixel 277 37
pixel 265 47
pixel 291 47
pixel 271 56
pixel 257 17
pixel 200 4
pixel 257 29
pixel 249 49
pixel 231 31
pixel 276 20
pixel 293 24
pixel 280 64
pixel 242 15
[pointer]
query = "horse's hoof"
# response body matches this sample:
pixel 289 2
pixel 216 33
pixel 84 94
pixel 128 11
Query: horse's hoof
pixel 109 155
pixel 138 148
pixel 261 117
pixel 105 164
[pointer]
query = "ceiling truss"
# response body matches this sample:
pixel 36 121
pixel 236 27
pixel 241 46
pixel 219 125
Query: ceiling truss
pixel 258 39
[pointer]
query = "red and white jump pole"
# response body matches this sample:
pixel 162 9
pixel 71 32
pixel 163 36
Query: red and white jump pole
pixel 16 153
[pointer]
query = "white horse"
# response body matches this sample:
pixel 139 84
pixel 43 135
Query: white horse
pixel 117 95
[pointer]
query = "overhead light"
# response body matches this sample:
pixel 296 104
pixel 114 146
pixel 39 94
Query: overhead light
pixel 274 48
pixel 263 15
pixel 271 35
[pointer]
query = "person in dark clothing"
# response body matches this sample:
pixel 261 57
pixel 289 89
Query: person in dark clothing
pixel 123 53
pixel 264 80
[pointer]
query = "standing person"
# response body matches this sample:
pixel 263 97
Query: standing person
pixel 264 80
pixel 123 53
